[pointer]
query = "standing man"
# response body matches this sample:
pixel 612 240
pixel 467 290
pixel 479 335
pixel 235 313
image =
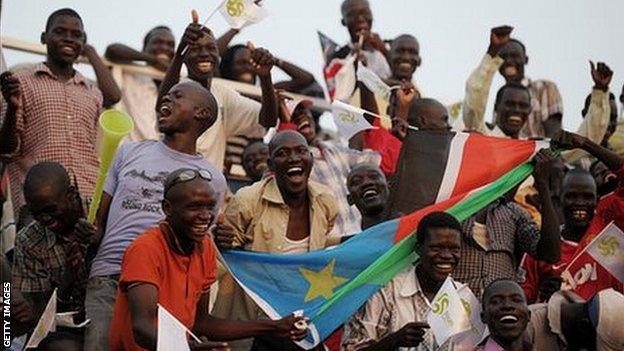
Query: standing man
pixel 50 111
pixel 139 92
pixel 131 202
pixel 237 115
pixel 179 252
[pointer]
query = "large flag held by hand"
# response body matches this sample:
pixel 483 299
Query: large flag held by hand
pixel 241 13
pixel 330 285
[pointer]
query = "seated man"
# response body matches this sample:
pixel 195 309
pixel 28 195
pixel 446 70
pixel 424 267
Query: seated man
pixel 237 115
pixel 495 238
pixel 395 316
pixel 506 314
pixel 568 322
pixel 139 92
pixel 255 156
pixel 133 194
pixel 51 252
pixel 179 253
pixel 368 191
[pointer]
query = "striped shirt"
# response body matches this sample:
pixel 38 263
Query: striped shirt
pixel 510 231
pixel 332 164
pixel 58 122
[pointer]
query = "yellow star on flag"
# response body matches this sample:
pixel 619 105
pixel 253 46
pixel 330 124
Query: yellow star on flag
pixel 323 282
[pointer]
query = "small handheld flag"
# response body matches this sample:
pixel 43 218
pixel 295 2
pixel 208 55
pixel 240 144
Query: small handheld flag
pixel 241 13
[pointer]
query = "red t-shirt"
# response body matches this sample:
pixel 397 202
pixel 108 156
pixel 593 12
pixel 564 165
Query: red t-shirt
pixel 610 208
pixel 181 281
pixel 386 144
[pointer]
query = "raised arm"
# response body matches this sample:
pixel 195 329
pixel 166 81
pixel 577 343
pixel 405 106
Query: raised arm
pixel 567 140
pixel 12 93
pixel 110 91
pixel 480 81
pixel 548 246
pixel 262 61
pixel 224 40
pixel 299 77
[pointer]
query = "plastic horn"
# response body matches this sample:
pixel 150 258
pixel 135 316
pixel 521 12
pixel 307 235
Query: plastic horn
pixel 114 125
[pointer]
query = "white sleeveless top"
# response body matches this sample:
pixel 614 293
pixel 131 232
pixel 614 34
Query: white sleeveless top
pixel 296 246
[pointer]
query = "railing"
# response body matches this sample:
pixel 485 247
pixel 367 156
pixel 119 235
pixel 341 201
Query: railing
pixel 117 70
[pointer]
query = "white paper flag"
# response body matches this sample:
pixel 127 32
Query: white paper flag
pixel 608 250
pixel 467 340
pixel 46 323
pixel 18 343
pixel 171 332
pixel 349 119
pixel 241 13
pixel 372 81
pixel 66 319
pixel 448 315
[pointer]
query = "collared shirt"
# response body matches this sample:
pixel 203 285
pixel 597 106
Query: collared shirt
pixel 260 216
pixel 400 302
pixel 332 164
pixel 490 345
pixel 545 102
pixel 510 231
pixel 57 122
pixel 41 260
pixel 138 98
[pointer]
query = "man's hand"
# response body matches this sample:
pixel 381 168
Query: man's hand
pixel 85 232
pixel 399 128
pixel 567 140
pixel 499 37
pixel 261 60
pixel 223 233
pixel 11 91
pixel 544 161
pixel 21 310
pixel 192 33
pixel 406 94
pixel 75 255
pixel 89 51
pixel 601 75
pixel 206 345
pixel 549 287
pixel 373 40
pixel 411 335
pixel 290 327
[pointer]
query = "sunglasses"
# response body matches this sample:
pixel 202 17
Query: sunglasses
pixel 188 175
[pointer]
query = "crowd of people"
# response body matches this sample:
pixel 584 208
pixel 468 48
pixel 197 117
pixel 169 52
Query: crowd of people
pixel 208 169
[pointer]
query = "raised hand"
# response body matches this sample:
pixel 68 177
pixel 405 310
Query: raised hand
pixel 406 94
pixel 499 37
pixel 11 90
pixel 261 60
pixel 192 33
pixel 544 161
pixel 601 75
pixel 567 140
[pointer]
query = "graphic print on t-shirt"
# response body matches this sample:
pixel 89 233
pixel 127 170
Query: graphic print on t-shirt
pixel 144 190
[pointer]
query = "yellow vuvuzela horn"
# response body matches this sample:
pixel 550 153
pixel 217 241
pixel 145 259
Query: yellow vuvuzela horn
pixel 114 125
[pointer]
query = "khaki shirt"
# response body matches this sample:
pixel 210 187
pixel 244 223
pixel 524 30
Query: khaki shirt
pixel 260 216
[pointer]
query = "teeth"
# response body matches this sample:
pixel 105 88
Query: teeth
pixel 163 56
pixel 370 192
pixel 508 318
pixel 294 170
pixel 67 49
pixel 204 66
pixel 516 119
pixel 200 227
pixel 303 125
pixel 165 110
pixel 444 266
pixel 405 65
pixel 261 165
pixel 579 214
pixel 511 70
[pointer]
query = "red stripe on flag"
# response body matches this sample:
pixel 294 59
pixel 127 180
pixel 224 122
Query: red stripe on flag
pixel 486 159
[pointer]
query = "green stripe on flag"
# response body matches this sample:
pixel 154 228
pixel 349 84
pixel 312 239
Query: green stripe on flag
pixel 402 254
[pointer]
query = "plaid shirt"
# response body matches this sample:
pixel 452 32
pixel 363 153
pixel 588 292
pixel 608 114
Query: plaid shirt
pixel 545 102
pixel 332 164
pixel 40 261
pixel 58 122
pixel 510 232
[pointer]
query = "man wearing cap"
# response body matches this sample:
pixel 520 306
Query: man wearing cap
pixel 568 322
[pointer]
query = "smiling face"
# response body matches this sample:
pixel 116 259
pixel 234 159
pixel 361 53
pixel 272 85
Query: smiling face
pixel 578 199
pixel 190 209
pixel 439 253
pixel 160 43
pixel 53 207
pixel 202 58
pixel 404 57
pixel 65 38
pixel 357 17
pixel 368 189
pixel 241 68
pixel 184 108
pixel 255 160
pixel 303 119
pixel 505 311
pixel 291 160
pixel 512 110
pixel 515 60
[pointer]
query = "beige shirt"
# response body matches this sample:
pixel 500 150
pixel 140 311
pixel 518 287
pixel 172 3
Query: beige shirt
pixel 138 99
pixel 260 216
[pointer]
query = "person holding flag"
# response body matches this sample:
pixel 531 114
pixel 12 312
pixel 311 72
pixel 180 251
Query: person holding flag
pixel 395 316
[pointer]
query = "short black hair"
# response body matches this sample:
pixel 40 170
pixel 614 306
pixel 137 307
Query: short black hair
pixel 46 174
pixel 519 43
pixel 499 280
pixel 62 12
pixel 435 220
pixel 510 85
pixel 345 3
pixel 153 31
pixel 227 61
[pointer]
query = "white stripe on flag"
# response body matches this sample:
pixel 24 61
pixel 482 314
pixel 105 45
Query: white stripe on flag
pixel 453 165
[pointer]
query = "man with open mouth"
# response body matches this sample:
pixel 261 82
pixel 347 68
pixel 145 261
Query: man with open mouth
pixel 285 213
pixel 584 218
pixel 139 92
pixel 237 115
pixel 506 314
pixel 394 318
pixel 368 191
